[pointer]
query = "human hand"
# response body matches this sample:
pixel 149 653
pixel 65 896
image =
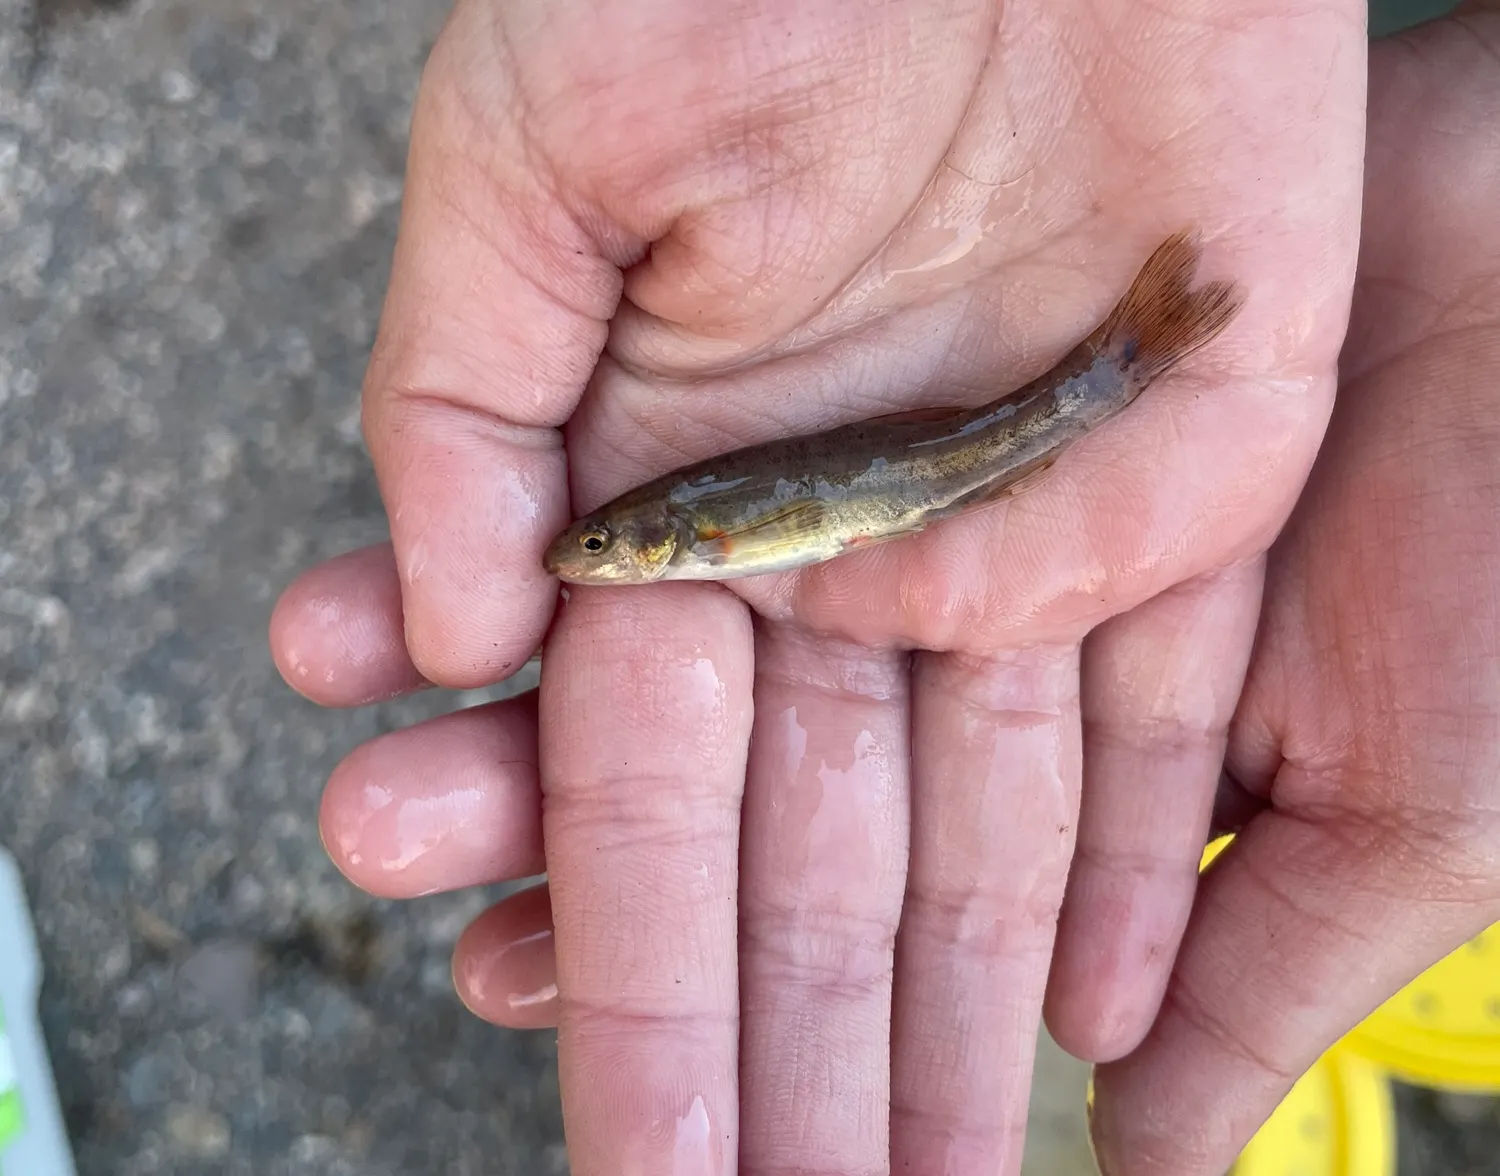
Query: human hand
pixel 1368 736
pixel 817 214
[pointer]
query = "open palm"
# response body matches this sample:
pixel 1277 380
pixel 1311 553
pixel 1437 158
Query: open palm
pixel 816 214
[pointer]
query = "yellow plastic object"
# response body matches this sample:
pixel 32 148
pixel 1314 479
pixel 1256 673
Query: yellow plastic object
pixel 1338 1120
pixel 1442 1029
pixel 1213 850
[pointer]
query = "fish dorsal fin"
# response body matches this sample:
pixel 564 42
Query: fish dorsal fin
pixel 786 524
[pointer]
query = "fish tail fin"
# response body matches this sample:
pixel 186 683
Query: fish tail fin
pixel 1162 319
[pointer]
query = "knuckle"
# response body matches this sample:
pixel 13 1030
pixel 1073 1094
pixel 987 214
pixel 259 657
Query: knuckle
pixel 840 952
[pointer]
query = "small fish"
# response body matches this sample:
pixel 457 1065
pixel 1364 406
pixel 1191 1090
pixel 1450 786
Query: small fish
pixel 802 500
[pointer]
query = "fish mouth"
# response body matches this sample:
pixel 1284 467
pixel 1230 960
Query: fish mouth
pixel 564 548
pixel 552 559
pixel 572 573
pixel 562 559
pixel 576 575
pixel 624 563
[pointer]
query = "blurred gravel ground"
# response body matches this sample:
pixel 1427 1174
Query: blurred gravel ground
pixel 197 206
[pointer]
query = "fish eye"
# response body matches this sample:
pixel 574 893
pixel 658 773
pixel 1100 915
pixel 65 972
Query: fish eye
pixel 594 540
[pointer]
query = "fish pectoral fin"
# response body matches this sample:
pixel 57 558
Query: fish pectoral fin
pixel 787 524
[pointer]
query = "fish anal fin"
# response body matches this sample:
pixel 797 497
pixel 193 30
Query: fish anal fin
pixel 1000 489
pixel 1030 480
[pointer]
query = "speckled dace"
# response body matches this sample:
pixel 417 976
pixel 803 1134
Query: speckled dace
pixel 802 500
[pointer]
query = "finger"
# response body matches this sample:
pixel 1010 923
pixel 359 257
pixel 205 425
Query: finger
pixel 496 311
pixel 449 803
pixel 646 704
pixel 995 793
pixel 336 633
pixel 1159 688
pixel 824 863
pixel 1301 930
pixel 505 962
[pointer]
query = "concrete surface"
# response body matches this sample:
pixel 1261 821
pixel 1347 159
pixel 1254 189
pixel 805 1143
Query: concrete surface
pixel 197 205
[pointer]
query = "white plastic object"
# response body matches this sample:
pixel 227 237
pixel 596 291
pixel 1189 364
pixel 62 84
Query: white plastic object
pixel 33 1137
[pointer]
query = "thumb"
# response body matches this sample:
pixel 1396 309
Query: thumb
pixel 1300 931
pixel 496 311
pixel 550 145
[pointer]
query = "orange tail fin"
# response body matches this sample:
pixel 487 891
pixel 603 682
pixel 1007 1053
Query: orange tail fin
pixel 1162 319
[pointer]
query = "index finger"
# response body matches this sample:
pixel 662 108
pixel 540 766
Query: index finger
pixel 496 312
